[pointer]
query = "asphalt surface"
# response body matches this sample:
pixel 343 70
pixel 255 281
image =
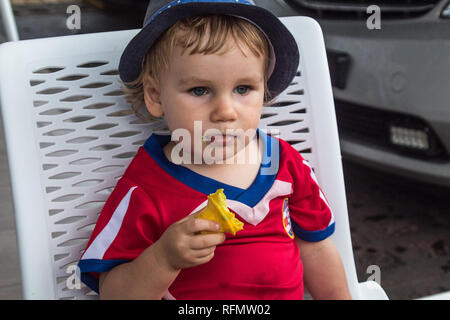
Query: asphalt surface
pixel 400 225
pixel 403 227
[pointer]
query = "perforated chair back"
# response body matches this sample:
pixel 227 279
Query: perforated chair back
pixel 70 135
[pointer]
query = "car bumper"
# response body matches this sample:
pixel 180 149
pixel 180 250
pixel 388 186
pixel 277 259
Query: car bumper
pixel 401 72
pixel 396 164
pixel 401 69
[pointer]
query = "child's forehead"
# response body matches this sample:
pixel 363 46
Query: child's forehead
pixel 230 65
pixel 232 56
pixel 228 45
pixel 219 39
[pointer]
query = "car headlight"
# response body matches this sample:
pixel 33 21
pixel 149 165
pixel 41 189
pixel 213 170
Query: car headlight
pixel 414 135
pixel 409 138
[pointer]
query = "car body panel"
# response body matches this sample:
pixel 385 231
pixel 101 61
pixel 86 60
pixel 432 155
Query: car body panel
pixel 403 68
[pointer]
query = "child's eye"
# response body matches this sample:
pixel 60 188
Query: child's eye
pixel 242 89
pixel 198 91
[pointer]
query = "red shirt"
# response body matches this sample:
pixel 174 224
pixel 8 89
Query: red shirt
pixel 260 262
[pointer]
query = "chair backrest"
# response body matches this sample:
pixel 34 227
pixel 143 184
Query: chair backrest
pixel 70 135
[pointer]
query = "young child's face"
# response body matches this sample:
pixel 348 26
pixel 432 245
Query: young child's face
pixel 223 92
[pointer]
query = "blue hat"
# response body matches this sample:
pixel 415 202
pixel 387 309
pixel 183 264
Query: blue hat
pixel 162 14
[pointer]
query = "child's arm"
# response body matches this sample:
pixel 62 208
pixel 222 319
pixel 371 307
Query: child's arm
pixel 323 272
pixel 143 278
pixel 151 274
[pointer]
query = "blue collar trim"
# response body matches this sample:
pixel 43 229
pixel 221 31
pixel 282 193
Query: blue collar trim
pixel 251 196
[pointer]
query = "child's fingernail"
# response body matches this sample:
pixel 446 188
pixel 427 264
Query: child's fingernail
pixel 217 226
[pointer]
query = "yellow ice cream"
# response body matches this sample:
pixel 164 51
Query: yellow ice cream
pixel 216 210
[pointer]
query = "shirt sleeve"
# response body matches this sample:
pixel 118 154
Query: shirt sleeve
pixel 123 230
pixel 311 216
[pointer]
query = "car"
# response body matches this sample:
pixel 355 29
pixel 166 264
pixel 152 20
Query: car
pixel 390 69
pixel 391 81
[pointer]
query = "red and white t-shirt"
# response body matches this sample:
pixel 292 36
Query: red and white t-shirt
pixel 260 262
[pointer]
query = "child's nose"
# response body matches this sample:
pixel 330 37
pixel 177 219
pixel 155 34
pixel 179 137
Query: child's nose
pixel 224 109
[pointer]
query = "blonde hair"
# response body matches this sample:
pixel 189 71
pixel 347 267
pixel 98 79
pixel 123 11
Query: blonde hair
pixel 191 33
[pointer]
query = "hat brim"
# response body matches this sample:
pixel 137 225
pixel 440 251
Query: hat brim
pixel 284 45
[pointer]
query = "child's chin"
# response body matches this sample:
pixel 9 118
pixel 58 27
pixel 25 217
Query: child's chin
pixel 227 156
pixel 221 158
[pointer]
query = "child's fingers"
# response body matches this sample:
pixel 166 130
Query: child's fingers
pixel 205 258
pixel 195 225
pixel 202 241
pixel 202 253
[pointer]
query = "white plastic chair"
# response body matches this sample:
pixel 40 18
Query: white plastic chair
pixel 70 137
pixel 9 21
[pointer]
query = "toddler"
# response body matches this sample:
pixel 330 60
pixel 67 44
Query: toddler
pixel 206 68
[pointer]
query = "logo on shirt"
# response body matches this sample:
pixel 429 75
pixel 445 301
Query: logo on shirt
pixel 286 219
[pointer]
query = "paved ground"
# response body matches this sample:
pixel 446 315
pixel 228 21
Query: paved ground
pixel 401 226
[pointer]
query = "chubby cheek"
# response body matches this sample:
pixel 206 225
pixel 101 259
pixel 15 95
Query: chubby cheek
pixel 186 123
pixel 252 116
pixel 185 128
pixel 179 114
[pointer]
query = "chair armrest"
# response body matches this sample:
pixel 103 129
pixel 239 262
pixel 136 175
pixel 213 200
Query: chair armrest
pixel 371 290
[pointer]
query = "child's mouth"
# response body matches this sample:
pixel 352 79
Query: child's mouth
pixel 222 140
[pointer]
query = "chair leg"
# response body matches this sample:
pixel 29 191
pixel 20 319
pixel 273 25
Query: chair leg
pixel 8 20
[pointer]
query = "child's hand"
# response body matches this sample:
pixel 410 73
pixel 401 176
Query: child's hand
pixel 181 247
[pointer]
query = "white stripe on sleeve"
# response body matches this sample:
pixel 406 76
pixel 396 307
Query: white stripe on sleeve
pixel 322 196
pixel 104 239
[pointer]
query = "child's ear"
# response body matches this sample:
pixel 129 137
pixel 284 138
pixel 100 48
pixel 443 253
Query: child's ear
pixel 152 97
